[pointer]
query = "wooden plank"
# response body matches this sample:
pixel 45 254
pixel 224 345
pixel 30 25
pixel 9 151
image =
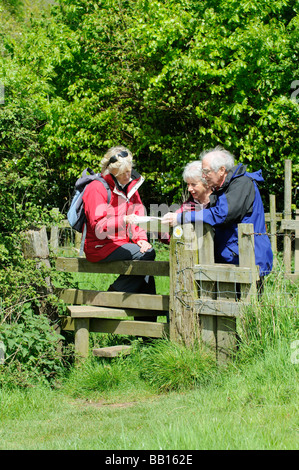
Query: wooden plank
pixel 287 245
pixel 296 260
pixel 67 323
pixel 207 289
pixel 292 277
pixel 114 299
pixel 273 228
pixel 87 311
pixel 269 216
pixel 112 351
pixel 127 327
pixel 224 273
pixel 219 307
pixel 226 325
pixel 289 224
pixel 136 267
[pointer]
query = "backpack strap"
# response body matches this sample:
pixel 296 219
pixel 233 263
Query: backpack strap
pixel 104 182
pixel 100 178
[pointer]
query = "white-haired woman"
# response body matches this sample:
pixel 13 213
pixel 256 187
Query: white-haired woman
pixel 199 195
pixel 197 186
pixel 111 232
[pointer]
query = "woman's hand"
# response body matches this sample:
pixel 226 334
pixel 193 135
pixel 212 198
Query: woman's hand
pixel 170 218
pixel 144 245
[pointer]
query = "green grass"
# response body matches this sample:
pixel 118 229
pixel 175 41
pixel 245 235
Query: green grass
pixel 251 407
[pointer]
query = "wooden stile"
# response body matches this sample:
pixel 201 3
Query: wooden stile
pixel 202 305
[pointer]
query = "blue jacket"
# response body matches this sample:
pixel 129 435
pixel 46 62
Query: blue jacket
pixel 237 201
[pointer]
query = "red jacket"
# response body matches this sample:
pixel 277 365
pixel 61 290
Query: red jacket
pixel 106 229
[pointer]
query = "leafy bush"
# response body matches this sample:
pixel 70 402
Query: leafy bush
pixel 31 350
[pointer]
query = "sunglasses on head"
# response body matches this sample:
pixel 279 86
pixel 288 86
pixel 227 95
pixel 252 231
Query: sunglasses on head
pixel 122 154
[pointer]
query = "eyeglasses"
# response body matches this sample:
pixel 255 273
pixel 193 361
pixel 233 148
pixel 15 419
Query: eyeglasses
pixel 206 171
pixel 122 154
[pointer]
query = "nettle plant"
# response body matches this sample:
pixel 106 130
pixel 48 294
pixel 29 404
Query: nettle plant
pixel 30 349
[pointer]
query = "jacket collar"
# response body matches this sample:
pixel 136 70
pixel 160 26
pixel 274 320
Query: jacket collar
pixel 236 172
pixel 130 189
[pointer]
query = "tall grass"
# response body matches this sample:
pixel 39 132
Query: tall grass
pixel 272 319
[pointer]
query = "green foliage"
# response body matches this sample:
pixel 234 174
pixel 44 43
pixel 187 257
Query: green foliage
pixel 31 350
pixel 172 78
pixel 168 79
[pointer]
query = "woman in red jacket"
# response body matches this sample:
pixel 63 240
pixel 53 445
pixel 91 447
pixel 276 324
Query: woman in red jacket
pixel 111 233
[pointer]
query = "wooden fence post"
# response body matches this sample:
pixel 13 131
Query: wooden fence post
pixel 287 250
pixel 273 227
pixel 208 323
pixel 296 268
pixel 81 337
pixel 247 259
pixel 54 234
pixel 184 325
pixel 35 245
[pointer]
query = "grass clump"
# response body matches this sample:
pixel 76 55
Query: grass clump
pixel 170 366
pixel 94 377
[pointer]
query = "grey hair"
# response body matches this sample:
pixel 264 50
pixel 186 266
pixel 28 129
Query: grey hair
pixel 121 164
pixel 219 157
pixel 193 171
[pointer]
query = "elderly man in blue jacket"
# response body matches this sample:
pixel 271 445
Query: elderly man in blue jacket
pixel 235 199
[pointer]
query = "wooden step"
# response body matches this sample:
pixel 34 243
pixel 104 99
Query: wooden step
pixel 120 327
pixel 114 299
pixel 88 311
pixel 128 327
pixel 112 351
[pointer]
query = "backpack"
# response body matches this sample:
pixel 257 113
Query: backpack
pixel 76 215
